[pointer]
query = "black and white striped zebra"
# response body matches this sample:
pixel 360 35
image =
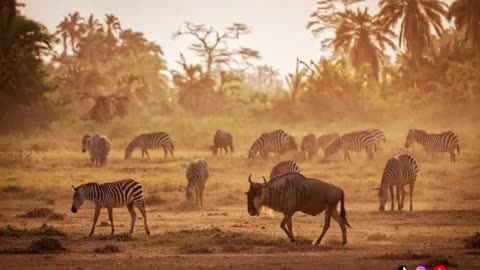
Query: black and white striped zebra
pixel 284 167
pixel 378 135
pixel 399 171
pixel 354 141
pixel 277 141
pixel 109 195
pixel 324 140
pixel 98 147
pixel 435 143
pixel 150 141
pixel 197 176
pixel 309 145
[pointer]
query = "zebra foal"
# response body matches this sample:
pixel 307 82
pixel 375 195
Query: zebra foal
pixel 98 147
pixel 399 171
pixel 109 195
pixel 197 175
pixel 435 143
pixel 284 167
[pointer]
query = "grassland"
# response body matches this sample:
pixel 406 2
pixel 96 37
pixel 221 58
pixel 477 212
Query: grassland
pixel 37 172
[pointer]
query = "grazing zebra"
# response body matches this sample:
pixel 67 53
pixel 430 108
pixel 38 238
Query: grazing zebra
pixel 294 192
pixel 284 167
pixel 98 147
pixel 400 171
pixel 435 143
pixel 324 140
pixel 277 141
pixel 150 141
pixel 353 141
pixel 197 176
pixel 222 139
pixel 113 194
pixel 309 145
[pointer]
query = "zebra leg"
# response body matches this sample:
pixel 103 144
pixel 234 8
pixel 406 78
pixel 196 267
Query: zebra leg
pixel 341 222
pixel 403 193
pixel 411 197
pixel 285 219
pixel 144 215
pixel 398 198
pixel 143 153
pixel 146 152
pixel 290 228
pixel 95 219
pixel 392 197
pixel 452 157
pixel 226 150
pixel 328 215
pixel 110 216
pixel 164 153
pixel 133 215
pixel 201 189
pixel 345 156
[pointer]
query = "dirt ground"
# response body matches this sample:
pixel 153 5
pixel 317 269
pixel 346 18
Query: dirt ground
pixel 222 234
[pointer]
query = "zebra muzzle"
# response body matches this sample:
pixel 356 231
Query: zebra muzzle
pixel 74 210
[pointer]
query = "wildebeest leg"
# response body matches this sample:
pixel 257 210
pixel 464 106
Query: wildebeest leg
pixel 403 193
pixel 284 222
pixel 133 216
pixel 341 222
pixel 328 215
pixel 392 197
pixel 398 198
pixel 226 150
pixel 95 219
pixel 290 228
pixel 411 197
pixel 110 216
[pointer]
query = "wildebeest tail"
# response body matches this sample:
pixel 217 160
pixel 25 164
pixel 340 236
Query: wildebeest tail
pixel 343 213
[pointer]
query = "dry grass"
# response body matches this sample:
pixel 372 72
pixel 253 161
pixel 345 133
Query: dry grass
pixel 108 249
pixel 43 230
pixel 46 213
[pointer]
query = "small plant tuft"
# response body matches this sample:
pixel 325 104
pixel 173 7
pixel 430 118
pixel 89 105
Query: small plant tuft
pixel 376 237
pixel 108 249
pixel 43 213
pixel 154 199
pixel 13 189
pixel 43 230
pixel 473 241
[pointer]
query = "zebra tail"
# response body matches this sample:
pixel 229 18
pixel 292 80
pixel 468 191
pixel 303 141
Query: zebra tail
pixel 343 213
pixel 458 148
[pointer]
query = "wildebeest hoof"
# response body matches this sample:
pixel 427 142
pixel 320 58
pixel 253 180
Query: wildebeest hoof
pixel 148 233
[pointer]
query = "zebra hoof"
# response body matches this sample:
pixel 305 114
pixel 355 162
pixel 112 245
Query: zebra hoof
pixel 148 233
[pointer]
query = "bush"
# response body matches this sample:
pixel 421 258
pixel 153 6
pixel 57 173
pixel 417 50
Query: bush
pixel 43 230
pixel 376 237
pixel 13 189
pixel 473 241
pixel 43 213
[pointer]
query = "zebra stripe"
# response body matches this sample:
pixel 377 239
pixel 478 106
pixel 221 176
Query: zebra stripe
pixel 284 167
pixel 399 171
pixel 109 195
pixel 197 176
pixel 277 141
pixel 150 141
pixel 324 140
pixel 98 147
pixel 309 145
pixel 378 135
pixel 354 141
pixel 435 143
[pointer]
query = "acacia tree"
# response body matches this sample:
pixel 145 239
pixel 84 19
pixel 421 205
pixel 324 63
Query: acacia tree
pixel 211 44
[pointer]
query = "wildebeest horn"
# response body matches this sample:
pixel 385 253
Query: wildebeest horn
pixel 250 178
pixel 264 180
pixel 74 188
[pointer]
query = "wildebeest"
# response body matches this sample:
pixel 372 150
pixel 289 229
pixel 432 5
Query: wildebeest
pixel 222 140
pixel 294 192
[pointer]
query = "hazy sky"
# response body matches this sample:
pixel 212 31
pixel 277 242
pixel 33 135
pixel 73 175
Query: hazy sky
pixel 279 31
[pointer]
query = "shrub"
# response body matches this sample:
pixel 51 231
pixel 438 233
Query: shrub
pixel 43 213
pixel 43 230
pixel 473 241
pixel 108 249
pixel 376 237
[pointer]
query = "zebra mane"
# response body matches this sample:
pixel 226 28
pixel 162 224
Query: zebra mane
pixel 90 184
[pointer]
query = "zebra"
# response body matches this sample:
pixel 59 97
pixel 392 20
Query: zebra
pixel 284 167
pixel 277 141
pixel 378 135
pixel 435 143
pixel 294 192
pixel 222 139
pixel 98 147
pixel 309 145
pixel 197 176
pixel 399 171
pixel 150 141
pixel 324 140
pixel 112 194
pixel 353 141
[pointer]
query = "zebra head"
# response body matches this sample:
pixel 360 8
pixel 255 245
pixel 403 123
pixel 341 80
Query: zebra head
pixel 382 198
pixel 86 143
pixel 410 137
pixel 78 198
pixel 254 196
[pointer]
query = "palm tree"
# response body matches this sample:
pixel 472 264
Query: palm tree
pixel 466 14
pixel 113 24
pixel 92 25
pixel 417 19
pixel 62 30
pixel 75 29
pixel 364 37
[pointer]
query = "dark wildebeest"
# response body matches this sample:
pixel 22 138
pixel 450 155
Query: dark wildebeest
pixel 222 139
pixel 294 192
